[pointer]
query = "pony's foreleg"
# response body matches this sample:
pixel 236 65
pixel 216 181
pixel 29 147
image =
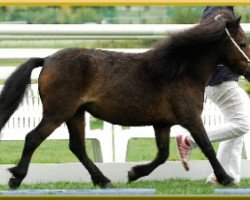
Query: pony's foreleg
pixel 162 142
pixel 32 141
pixel 199 134
pixel 77 146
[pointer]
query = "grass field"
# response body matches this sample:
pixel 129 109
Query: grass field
pixel 139 150
pixel 57 151
pixel 52 151
pixel 167 187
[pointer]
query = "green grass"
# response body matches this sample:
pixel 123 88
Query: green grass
pixel 49 152
pixel 11 63
pixel 57 151
pixel 145 149
pixel 167 187
pixel 139 149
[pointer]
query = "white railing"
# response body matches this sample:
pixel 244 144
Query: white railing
pixel 92 31
pixel 87 31
pixel 15 54
pixel 112 141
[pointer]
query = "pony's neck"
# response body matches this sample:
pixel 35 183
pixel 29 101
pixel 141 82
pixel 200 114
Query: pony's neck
pixel 206 65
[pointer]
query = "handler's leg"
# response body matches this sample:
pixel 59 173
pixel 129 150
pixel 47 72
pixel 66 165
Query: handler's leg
pixel 229 154
pixel 196 128
pixel 235 106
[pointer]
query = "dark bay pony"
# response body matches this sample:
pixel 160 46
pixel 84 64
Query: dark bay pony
pixel 162 87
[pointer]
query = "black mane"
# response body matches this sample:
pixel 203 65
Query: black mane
pixel 173 57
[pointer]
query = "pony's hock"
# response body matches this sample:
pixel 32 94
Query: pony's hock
pixel 162 87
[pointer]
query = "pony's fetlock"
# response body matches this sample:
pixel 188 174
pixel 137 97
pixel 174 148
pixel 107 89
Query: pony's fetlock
pixel 17 178
pixel 132 176
pixel 17 173
pixel 137 172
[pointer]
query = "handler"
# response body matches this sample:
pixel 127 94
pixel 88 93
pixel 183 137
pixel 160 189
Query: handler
pixel 234 104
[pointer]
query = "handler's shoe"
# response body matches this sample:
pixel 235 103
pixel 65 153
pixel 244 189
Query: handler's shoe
pixel 211 180
pixel 184 147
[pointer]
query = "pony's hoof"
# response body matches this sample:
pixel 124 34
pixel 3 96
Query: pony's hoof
pixel 108 186
pixel 132 176
pixel 227 181
pixel 14 183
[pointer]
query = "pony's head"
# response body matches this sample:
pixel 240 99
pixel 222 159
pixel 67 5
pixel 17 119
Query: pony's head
pixel 218 39
pixel 237 52
pixel 234 49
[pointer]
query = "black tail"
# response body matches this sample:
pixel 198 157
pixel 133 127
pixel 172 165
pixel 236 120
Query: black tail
pixel 14 88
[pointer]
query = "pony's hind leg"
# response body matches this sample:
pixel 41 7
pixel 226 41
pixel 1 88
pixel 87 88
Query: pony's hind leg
pixel 162 142
pixel 32 141
pixel 77 146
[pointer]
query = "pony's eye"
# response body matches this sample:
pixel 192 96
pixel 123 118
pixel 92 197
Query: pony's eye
pixel 243 45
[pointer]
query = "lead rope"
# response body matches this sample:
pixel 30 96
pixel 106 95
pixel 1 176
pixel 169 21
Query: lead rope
pixel 240 50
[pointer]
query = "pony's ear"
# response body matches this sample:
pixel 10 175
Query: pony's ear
pixel 238 20
pixel 234 23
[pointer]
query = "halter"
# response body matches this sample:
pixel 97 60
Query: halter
pixel 217 18
pixel 240 50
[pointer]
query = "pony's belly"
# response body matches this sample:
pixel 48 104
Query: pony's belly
pixel 125 120
pixel 130 116
pixel 130 110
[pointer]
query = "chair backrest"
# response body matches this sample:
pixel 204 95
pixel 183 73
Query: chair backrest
pixel 211 115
